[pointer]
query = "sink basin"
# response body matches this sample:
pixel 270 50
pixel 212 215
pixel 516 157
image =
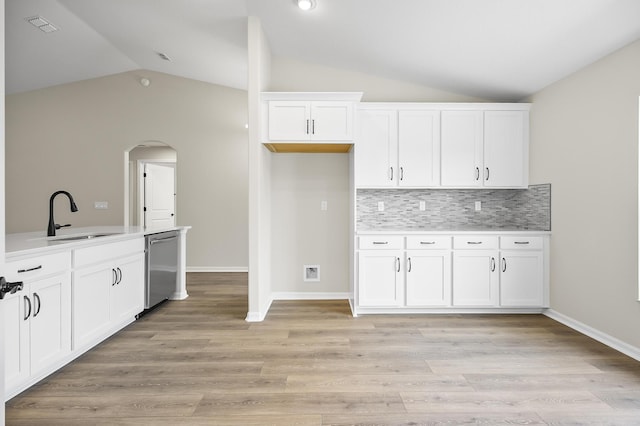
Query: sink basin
pixel 81 237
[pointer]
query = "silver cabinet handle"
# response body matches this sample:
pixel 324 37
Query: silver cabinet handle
pixel 391 172
pixel 119 275
pixel 504 264
pixel 474 242
pixel 409 261
pixel 313 127
pixel 493 264
pixel 487 178
pixel 162 240
pixel 28 302
pixel 401 173
pixel 398 264
pixel 377 243
pixel 427 242
pixel 35 268
pixel 477 173
pixel 521 242
pixel 307 126
pixel 36 301
pixel 115 277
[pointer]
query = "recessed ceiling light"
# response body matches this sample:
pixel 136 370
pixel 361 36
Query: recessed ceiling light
pixel 42 24
pixel 306 4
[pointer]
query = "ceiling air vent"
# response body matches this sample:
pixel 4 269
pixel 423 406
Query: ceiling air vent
pixel 42 24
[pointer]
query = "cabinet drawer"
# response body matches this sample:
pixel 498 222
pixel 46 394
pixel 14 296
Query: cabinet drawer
pixel 38 266
pixel 521 242
pixel 384 242
pixel 421 242
pixel 104 252
pixel 475 242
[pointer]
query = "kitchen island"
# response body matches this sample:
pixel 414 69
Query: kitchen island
pixel 76 289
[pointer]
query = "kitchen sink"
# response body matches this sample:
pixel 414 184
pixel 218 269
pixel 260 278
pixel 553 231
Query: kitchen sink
pixel 82 237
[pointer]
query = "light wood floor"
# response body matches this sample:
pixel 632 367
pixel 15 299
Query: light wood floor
pixel 197 362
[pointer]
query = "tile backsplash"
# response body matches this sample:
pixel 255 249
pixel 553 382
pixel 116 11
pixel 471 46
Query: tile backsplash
pixel 454 209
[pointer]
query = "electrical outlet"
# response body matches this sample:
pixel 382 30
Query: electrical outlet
pixel 380 206
pixel 323 206
pixel 478 206
pixel 423 206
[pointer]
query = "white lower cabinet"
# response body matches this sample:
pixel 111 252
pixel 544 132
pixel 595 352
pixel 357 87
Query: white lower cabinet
pixel 521 272
pixel 37 320
pixel 475 278
pixel 427 272
pixel 380 278
pixel 107 294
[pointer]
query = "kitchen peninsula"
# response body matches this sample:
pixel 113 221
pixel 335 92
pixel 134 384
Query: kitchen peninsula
pixel 77 289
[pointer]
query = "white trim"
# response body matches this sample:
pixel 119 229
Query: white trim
pixel 217 269
pixel 598 335
pixel 451 310
pixel 305 295
pixel 259 316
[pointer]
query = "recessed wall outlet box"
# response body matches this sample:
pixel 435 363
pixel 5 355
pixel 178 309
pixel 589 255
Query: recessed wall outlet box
pixel 323 206
pixel 478 206
pixel 311 273
pixel 423 206
pixel 101 205
pixel 380 206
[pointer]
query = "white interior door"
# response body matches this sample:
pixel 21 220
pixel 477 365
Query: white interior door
pixel 159 195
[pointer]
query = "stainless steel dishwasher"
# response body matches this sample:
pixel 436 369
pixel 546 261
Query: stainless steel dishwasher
pixel 161 255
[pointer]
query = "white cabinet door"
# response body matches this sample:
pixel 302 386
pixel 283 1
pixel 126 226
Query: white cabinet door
pixel 428 278
pixel 289 120
pixel 379 278
pixel 506 148
pixel 331 121
pixel 50 323
pixel 16 334
pixel 521 278
pixel 91 300
pixel 419 148
pixel 461 148
pixel 307 120
pixel 127 292
pixel 376 150
pixel 475 278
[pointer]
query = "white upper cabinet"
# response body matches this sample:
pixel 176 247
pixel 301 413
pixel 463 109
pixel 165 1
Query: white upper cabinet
pixel 419 148
pixel 485 148
pixel 377 148
pixel 397 148
pixel 461 148
pixel 317 121
pixel 506 148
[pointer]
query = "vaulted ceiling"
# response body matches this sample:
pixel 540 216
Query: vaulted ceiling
pixel 494 49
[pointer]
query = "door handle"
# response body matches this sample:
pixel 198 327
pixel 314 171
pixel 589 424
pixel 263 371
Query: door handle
pixel 9 288
pixel 36 302
pixel 28 302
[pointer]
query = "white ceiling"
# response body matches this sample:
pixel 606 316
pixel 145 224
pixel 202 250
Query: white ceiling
pixel 494 49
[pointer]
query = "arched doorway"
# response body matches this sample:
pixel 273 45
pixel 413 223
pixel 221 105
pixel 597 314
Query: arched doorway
pixel 150 185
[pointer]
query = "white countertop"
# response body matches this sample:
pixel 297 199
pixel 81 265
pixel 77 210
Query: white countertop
pixel 457 232
pixel 32 243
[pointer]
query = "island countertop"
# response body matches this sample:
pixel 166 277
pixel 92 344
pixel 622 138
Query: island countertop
pixel 33 243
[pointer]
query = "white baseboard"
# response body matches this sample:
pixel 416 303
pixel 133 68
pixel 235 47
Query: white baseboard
pixel 217 269
pixel 601 337
pixel 305 295
pixel 259 316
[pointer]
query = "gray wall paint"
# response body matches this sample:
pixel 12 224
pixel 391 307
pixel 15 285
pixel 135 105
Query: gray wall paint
pixel 454 209
pixel 584 140
pixel 74 137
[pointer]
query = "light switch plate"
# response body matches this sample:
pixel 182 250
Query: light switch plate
pixel 101 205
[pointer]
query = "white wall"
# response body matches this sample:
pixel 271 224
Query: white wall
pixel 584 141
pixel 74 136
